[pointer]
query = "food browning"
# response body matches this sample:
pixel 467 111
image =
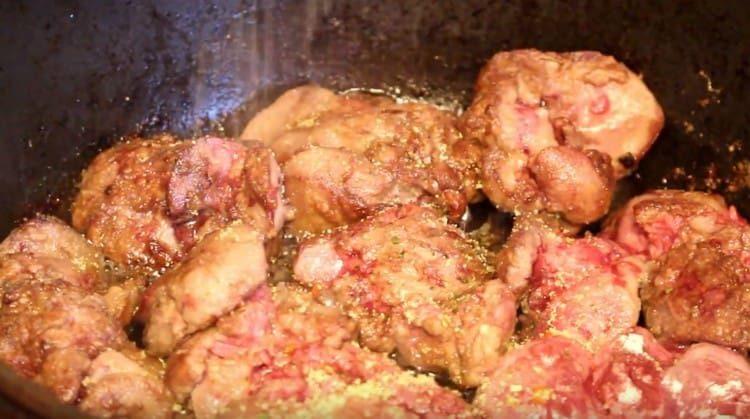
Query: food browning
pixel 414 285
pixel 558 130
pixel 285 355
pixel 146 203
pixel 126 383
pixel 650 224
pixel 57 321
pixel 698 248
pixel 700 292
pixel 336 261
pixel 214 278
pixel 346 156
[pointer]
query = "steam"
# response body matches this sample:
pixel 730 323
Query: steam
pixel 239 66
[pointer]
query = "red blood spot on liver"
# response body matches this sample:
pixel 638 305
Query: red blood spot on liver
pixel 355 264
pixel 712 299
pixel 368 297
pixel 600 105
pixel 528 124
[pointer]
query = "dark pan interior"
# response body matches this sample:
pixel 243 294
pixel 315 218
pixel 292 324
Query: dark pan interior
pixel 77 75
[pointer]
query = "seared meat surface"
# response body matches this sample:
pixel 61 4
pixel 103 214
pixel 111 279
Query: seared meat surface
pixel 701 291
pixel 699 285
pixel 126 384
pixel 650 224
pixel 50 239
pixel 50 332
pixel 582 288
pixel 345 156
pixel 559 129
pixel 282 354
pixel 147 202
pixel 218 273
pixel 329 187
pixel 53 321
pixel 414 285
pixel 45 249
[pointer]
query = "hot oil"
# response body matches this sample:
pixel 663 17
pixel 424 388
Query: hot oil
pixel 281 264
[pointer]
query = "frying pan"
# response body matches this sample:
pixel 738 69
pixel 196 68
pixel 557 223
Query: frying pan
pixel 76 76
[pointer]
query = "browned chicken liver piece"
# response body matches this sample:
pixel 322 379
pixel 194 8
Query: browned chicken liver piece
pixel 284 355
pixel 54 318
pixel 50 332
pixel 126 384
pixel 700 292
pixel 558 130
pixel 699 283
pixel 583 288
pixel 46 248
pixel 215 277
pixel 61 320
pixel 650 224
pixel 346 156
pixel 49 237
pixel 147 202
pixel 415 285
